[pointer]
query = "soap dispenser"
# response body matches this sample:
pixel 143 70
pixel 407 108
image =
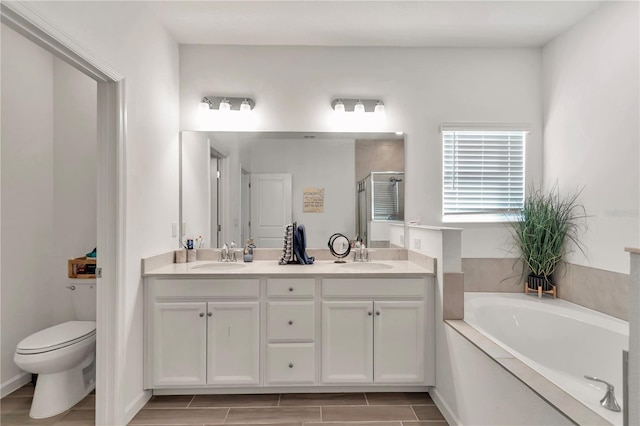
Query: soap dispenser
pixel 248 250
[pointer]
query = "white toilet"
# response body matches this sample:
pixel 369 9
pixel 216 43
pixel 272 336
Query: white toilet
pixel 63 356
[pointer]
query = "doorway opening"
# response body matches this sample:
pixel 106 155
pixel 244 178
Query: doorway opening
pixel 110 201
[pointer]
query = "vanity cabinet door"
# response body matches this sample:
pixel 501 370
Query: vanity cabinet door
pixel 347 342
pixel 398 336
pixel 233 354
pixel 179 344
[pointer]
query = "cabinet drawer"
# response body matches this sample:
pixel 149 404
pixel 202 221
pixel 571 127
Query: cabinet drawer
pixel 291 363
pixel 219 288
pixel 373 287
pixel 291 287
pixel 291 321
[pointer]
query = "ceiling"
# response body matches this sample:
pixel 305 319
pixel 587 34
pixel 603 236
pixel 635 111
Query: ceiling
pixel 448 23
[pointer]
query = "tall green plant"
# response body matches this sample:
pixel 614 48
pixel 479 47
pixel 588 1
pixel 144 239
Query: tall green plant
pixel 546 226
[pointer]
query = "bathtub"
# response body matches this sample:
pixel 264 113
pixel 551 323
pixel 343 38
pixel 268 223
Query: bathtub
pixel 560 340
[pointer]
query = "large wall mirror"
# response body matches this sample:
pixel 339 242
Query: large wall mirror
pixel 239 185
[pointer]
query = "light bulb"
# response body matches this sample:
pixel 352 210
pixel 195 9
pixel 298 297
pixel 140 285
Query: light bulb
pixel 203 106
pixel 379 109
pixel 359 107
pixel 245 106
pixel 224 105
pixel 339 106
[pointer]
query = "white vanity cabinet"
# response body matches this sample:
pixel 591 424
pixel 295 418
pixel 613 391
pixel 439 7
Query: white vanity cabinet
pixel 203 332
pixel 291 332
pixel 374 331
pixel 309 332
pixel 179 344
pixel 233 339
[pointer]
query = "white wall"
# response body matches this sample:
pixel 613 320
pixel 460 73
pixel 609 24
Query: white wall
pixel 128 37
pixel 328 164
pixel 27 193
pixel 74 174
pixel 421 87
pixel 591 135
pixel 196 186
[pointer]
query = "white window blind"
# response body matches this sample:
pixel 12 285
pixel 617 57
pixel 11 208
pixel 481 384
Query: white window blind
pixel 385 200
pixel 483 171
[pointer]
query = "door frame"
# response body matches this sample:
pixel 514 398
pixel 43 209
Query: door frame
pixel 111 201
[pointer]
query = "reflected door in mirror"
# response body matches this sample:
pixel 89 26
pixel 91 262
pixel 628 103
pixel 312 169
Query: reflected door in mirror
pixel 270 208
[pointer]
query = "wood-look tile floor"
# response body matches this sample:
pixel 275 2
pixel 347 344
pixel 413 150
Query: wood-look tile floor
pixel 317 409
pixel 14 411
pixel 335 409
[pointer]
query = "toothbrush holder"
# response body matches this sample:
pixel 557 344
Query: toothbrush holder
pixel 181 256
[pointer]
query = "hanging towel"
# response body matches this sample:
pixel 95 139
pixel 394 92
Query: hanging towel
pixel 300 246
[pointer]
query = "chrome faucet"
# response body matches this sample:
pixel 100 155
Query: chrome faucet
pixel 609 400
pixel 228 252
pixel 361 253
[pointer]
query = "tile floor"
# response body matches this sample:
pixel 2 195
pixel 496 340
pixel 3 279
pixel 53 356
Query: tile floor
pixel 14 411
pixel 347 409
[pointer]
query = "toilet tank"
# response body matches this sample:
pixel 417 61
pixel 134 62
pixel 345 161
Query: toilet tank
pixel 83 297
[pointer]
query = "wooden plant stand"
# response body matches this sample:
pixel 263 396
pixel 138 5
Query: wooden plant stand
pixel 539 290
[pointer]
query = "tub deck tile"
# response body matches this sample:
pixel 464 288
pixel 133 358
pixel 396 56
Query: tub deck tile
pixel 553 394
pixel 479 340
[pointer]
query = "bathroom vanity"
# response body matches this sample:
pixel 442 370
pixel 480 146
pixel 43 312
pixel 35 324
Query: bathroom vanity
pixel 260 327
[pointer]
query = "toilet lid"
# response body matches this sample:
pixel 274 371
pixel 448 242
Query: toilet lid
pixel 57 337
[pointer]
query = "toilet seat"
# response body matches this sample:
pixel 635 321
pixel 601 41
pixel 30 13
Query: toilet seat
pixel 57 337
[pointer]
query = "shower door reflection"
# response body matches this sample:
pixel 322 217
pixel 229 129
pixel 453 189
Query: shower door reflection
pixel 380 203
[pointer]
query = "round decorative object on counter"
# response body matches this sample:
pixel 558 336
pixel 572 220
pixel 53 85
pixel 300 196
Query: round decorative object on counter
pixel 339 246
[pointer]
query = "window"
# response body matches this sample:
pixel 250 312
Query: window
pixel 483 172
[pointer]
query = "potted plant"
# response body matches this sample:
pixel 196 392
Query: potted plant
pixel 546 229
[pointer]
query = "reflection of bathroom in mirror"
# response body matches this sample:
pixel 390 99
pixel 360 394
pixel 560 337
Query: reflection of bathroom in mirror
pixel 380 201
pixel 239 185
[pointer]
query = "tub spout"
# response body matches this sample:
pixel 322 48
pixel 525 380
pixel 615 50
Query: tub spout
pixel 609 400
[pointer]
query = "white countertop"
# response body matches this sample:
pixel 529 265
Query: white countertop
pixel 382 268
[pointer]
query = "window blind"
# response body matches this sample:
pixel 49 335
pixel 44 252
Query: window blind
pixel 483 171
pixel 385 200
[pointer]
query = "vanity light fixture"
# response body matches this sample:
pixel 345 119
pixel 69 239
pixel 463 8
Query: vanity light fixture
pixel 245 106
pixel 204 105
pixel 225 103
pixel 358 105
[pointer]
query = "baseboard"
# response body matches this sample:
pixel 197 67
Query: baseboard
pixel 443 407
pixel 136 405
pixel 14 383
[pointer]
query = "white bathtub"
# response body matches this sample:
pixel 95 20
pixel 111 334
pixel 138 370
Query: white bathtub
pixel 561 340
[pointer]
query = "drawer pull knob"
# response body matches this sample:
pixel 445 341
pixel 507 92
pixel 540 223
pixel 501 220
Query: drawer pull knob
pixel 290 365
pixel 209 314
pixel 201 314
pixel 290 322
pixel 369 313
pixel 290 288
pixel 377 312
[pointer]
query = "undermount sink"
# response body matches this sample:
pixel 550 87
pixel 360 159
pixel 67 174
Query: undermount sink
pixel 218 266
pixel 367 266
